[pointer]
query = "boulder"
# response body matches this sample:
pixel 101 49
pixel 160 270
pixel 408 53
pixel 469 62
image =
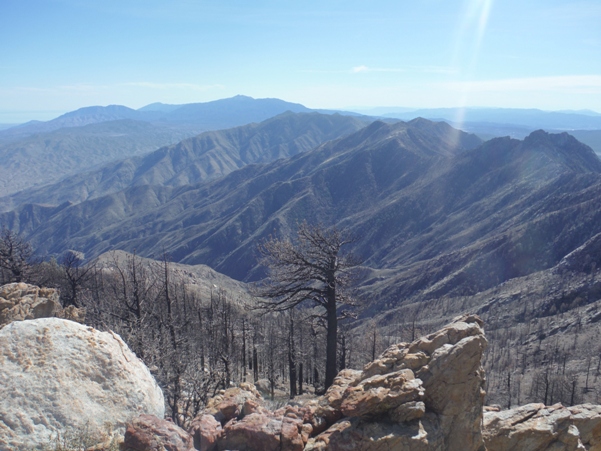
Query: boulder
pixel 149 433
pixel 282 430
pixel 57 375
pixel 235 402
pixel 539 427
pixel 236 419
pixel 206 431
pixel 21 301
pixel 328 407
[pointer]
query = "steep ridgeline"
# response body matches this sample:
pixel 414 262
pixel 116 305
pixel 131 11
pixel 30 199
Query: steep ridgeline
pixel 434 211
pixel 218 223
pixel 204 157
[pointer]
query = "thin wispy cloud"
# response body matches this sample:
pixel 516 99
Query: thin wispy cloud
pixel 360 69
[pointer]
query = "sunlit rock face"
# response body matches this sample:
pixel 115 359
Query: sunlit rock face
pixel 58 376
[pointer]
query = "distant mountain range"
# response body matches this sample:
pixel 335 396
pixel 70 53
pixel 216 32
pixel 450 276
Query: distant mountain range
pixel 489 123
pixel 38 153
pixel 529 118
pixel 435 210
pixel 218 114
pixel 207 156
pixel 47 157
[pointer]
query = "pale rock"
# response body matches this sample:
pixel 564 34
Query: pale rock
pixel 379 394
pixel 355 434
pixel 587 418
pixel 21 301
pixel 539 427
pixel 57 375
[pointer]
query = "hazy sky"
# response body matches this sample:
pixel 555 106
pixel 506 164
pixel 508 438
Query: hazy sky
pixel 59 55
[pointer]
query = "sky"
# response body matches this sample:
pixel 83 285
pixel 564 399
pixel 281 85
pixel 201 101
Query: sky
pixel 60 55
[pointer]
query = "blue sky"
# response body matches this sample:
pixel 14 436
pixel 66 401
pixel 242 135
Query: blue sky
pixel 59 55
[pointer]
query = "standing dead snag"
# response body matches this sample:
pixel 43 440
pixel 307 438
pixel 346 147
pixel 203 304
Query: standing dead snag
pixel 313 269
pixel 16 257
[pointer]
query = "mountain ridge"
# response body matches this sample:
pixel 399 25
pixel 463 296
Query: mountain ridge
pixel 208 155
pixel 436 211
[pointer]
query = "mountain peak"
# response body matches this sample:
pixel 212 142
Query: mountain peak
pixel 565 149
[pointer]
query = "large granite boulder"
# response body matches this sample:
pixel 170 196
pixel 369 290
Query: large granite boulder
pixel 58 376
pixel 539 427
pixel 21 301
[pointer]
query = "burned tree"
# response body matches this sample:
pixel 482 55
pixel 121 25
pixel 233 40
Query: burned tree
pixel 313 269
pixel 16 257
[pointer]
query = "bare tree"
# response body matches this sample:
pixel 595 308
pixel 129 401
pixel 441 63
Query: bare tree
pixel 313 269
pixel 16 257
pixel 76 274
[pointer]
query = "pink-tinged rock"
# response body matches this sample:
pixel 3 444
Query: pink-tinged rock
pixel 235 402
pixel 256 432
pixel 423 395
pixel 149 433
pixel 291 434
pixel 206 431
pixel 328 411
pixel 21 301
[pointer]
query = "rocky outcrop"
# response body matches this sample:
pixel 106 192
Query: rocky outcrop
pixel 21 301
pixel 149 433
pixel 539 427
pixel 426 395
pixel 58 375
